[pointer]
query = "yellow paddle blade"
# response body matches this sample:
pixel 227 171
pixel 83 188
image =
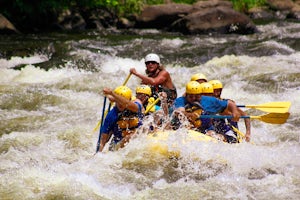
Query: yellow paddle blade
pixel 273 107
pixel 273 118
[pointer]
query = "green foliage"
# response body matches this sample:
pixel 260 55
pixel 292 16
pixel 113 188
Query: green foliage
pixel 245 5
pixel 154 2
pixel 129 7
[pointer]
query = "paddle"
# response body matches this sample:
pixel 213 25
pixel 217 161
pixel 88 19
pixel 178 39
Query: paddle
pixel 273 107
pixel 104 113
pixel 102 117
pixel 272 118
pixel 153 104
pixel 240 134
pixel 126 80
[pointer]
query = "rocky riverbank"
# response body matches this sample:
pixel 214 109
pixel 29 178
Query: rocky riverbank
pixel 214 16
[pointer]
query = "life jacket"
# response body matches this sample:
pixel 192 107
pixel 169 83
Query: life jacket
pixel 195 108
pixel 224 127
pixel 127 122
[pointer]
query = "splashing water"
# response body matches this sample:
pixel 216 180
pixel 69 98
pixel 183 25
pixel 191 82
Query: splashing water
pixel 48 115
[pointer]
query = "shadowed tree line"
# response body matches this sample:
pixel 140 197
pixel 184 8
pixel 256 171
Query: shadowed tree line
pixel 40 15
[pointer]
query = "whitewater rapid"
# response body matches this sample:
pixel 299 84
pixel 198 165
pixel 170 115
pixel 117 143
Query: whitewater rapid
pixel 48 116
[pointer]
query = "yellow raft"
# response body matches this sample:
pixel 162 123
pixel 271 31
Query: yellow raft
pixel 166 143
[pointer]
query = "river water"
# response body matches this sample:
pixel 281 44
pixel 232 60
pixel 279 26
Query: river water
pixel 51 101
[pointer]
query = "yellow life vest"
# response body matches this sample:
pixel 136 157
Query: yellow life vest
pixel 127 122
pixel 197 110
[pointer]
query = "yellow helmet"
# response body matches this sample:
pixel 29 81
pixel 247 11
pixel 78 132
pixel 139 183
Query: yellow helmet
pixel 198 76
pixel 193 87
pixel 123 91
pixel 216 84
pixel 207 88
pixel 144 89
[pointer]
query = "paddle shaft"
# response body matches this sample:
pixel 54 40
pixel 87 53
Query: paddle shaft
pixel 128 77
pixel 125 82
pixel 272 118
pixel 223 116
pixel 102 119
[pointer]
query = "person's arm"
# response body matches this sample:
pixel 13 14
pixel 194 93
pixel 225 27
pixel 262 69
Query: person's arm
pixel 159 80
pixel 130 105
pixel 247 125
pixel 248 130
pixel 233 109
pixel 103 141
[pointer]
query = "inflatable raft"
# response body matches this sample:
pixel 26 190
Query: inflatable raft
pixel 166 142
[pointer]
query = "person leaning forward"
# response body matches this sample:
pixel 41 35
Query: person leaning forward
pixel 226 126
pixel 122 120
pixel 157 77
pixel 208 105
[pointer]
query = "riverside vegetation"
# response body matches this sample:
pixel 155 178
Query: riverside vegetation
pixel 45 15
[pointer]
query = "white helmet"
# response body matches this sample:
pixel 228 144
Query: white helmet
pixel 152 57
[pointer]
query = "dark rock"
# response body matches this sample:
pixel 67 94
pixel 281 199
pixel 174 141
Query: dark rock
pixel 103 16
pixel 201 17
pixel 285 9
pixel 218 19
pixel 71 21
pixel 161 16
pixel 6 27
pixel 261 13
pixel 125 23
pixel 280 4
pixel 295 12
pixel 211 4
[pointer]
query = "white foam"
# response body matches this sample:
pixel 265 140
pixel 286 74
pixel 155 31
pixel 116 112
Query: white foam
pixel 15 61
pixel 33 74
pixel 173 43
pixel 117 64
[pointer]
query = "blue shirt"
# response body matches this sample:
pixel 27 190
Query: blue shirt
pixel 210 105
pixel 110 122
